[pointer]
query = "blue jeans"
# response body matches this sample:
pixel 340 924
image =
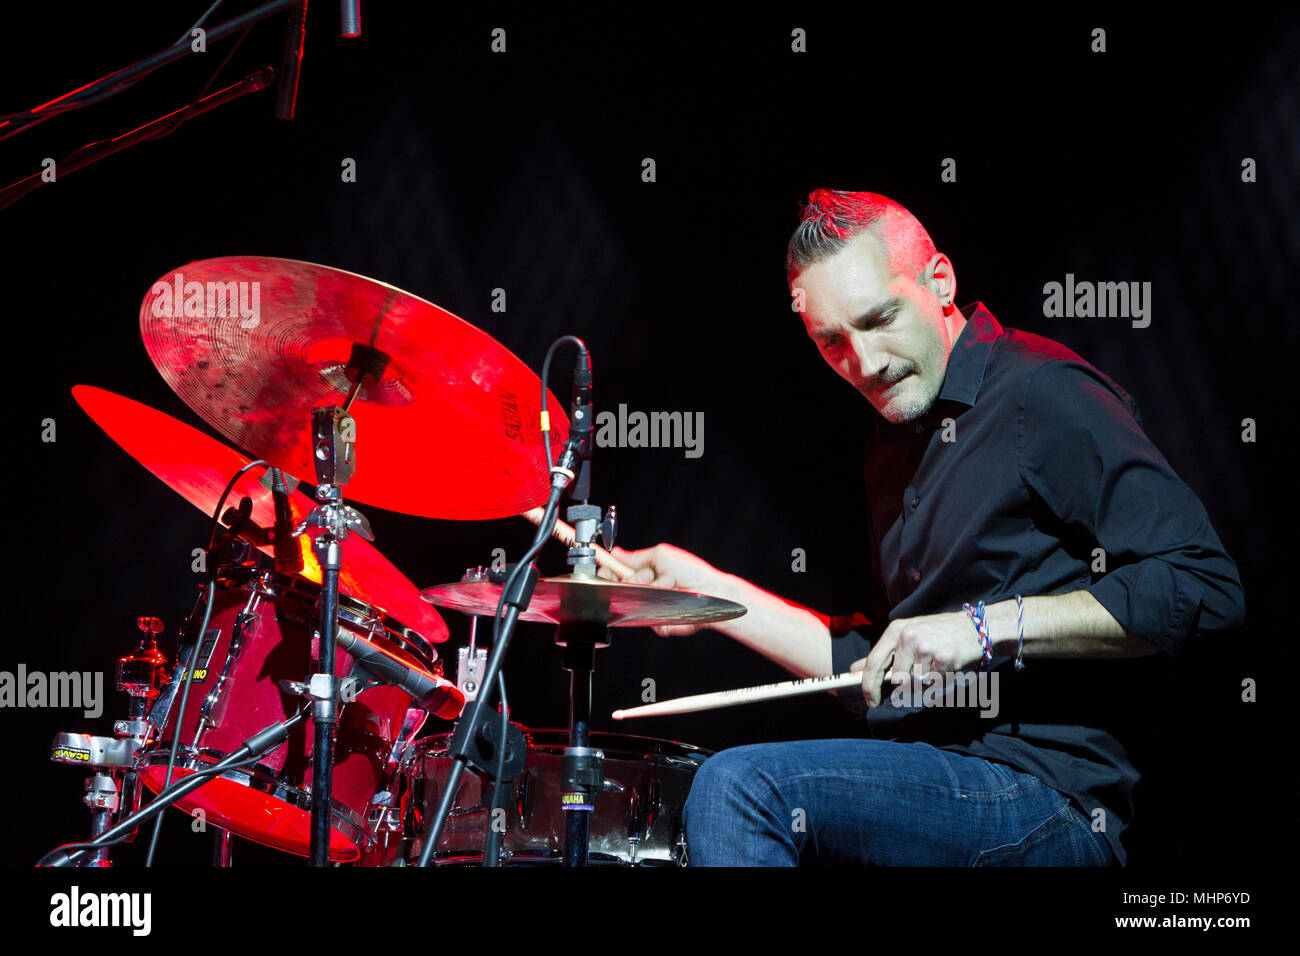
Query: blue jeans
pixel 879 803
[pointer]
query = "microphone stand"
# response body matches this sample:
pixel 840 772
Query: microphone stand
pixel 474 741
pixel 119 80
pixel 330 524
pixel 261 742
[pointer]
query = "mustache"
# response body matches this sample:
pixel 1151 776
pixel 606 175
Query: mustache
pixel 885 381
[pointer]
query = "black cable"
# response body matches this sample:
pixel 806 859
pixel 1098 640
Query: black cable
pixel 80 102
pixel 544 529
pixel 170 793
pixel 543 535
pixel 207 771
pixel 216 515
pixel 181 115
pixel 547 523
pixel 180 713
pixel 492 843
pixel 546 373
pixel 194 654
pixel 199 22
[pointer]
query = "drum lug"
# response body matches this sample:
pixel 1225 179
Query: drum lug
pixel 239 632
pixel 139 729
pixel 523 805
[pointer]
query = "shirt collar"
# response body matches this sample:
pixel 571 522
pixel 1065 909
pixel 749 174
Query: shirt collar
pixel 965 373
pixel 970 355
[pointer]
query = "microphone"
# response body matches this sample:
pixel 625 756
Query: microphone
pixel 295 36
pixel 430 692
pixel 581 423
pixel 238 521
pixel 288 556
pixel 350 17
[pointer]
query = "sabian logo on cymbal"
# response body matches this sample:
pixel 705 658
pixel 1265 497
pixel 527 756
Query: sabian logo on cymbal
pixel 512 421
pixel 208 300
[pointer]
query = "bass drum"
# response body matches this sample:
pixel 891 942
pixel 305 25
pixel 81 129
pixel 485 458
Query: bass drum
pixel 637 819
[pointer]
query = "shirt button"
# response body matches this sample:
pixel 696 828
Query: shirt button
pixel 915 502
pixel 916 576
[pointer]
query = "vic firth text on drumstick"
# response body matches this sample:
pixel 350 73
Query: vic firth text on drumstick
pixel 742 695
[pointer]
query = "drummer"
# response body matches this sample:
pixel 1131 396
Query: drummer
pixel 1021 522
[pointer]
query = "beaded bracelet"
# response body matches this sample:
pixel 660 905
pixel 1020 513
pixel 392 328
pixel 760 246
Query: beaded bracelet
pixel 1020 627
pixel 982 630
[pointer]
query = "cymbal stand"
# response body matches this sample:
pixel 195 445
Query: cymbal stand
pixel 581 773
pixel 329 525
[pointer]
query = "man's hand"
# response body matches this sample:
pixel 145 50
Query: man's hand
pixel 667 566
pixel 916 646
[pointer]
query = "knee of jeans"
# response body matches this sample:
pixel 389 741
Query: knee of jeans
pixel 724 777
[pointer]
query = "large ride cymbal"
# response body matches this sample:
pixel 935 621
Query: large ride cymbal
pixel 197 468
pixel 568 598
pixel 451 430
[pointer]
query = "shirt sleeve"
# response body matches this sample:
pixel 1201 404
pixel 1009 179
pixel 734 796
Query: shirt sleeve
pixel 1083 453
pixel 852 636
pixel 846 647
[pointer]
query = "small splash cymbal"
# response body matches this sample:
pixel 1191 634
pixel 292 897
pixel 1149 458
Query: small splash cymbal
pixel 569 598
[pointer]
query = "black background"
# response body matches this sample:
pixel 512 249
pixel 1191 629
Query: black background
pixel 523 171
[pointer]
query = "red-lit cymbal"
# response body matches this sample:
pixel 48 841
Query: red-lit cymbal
pixel 451 431
pixel 198 467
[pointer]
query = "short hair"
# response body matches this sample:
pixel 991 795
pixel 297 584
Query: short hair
pixel 832 218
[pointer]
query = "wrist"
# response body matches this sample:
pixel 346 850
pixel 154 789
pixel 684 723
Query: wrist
pixel 1007 629
pixel 1003 629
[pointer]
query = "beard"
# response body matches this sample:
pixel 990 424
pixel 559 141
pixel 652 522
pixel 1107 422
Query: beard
pixel 912 403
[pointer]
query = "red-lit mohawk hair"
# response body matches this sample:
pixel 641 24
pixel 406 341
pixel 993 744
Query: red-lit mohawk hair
pixel 832 218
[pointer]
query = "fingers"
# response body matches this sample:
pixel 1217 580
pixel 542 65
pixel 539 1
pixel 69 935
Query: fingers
pixel 651 566
pixel 877 663
pixel 636 559
pixel 677 630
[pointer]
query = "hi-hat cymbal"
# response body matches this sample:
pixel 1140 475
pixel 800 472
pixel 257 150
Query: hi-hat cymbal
pixel 253 344
pixel 197 468
pixel 568 598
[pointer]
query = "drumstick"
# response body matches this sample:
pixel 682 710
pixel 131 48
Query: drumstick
pixel 565 534
pixel 742 695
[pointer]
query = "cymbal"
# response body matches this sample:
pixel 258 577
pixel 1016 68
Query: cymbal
pixel 452 429
pixel 197 468
pixel 568 598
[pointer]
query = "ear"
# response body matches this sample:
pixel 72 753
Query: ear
pixel 941 279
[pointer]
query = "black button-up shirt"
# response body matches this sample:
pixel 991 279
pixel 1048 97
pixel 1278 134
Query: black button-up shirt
pixel 1031 475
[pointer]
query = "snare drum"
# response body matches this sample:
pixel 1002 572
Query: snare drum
pixel 637 819
pixel 260 643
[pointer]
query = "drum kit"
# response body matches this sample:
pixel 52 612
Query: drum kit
pixel 308 667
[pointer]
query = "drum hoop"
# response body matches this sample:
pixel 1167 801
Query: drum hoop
pixel 614 744
pixel 363 616
pixel 345 819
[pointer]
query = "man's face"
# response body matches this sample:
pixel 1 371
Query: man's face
pixel 886 335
